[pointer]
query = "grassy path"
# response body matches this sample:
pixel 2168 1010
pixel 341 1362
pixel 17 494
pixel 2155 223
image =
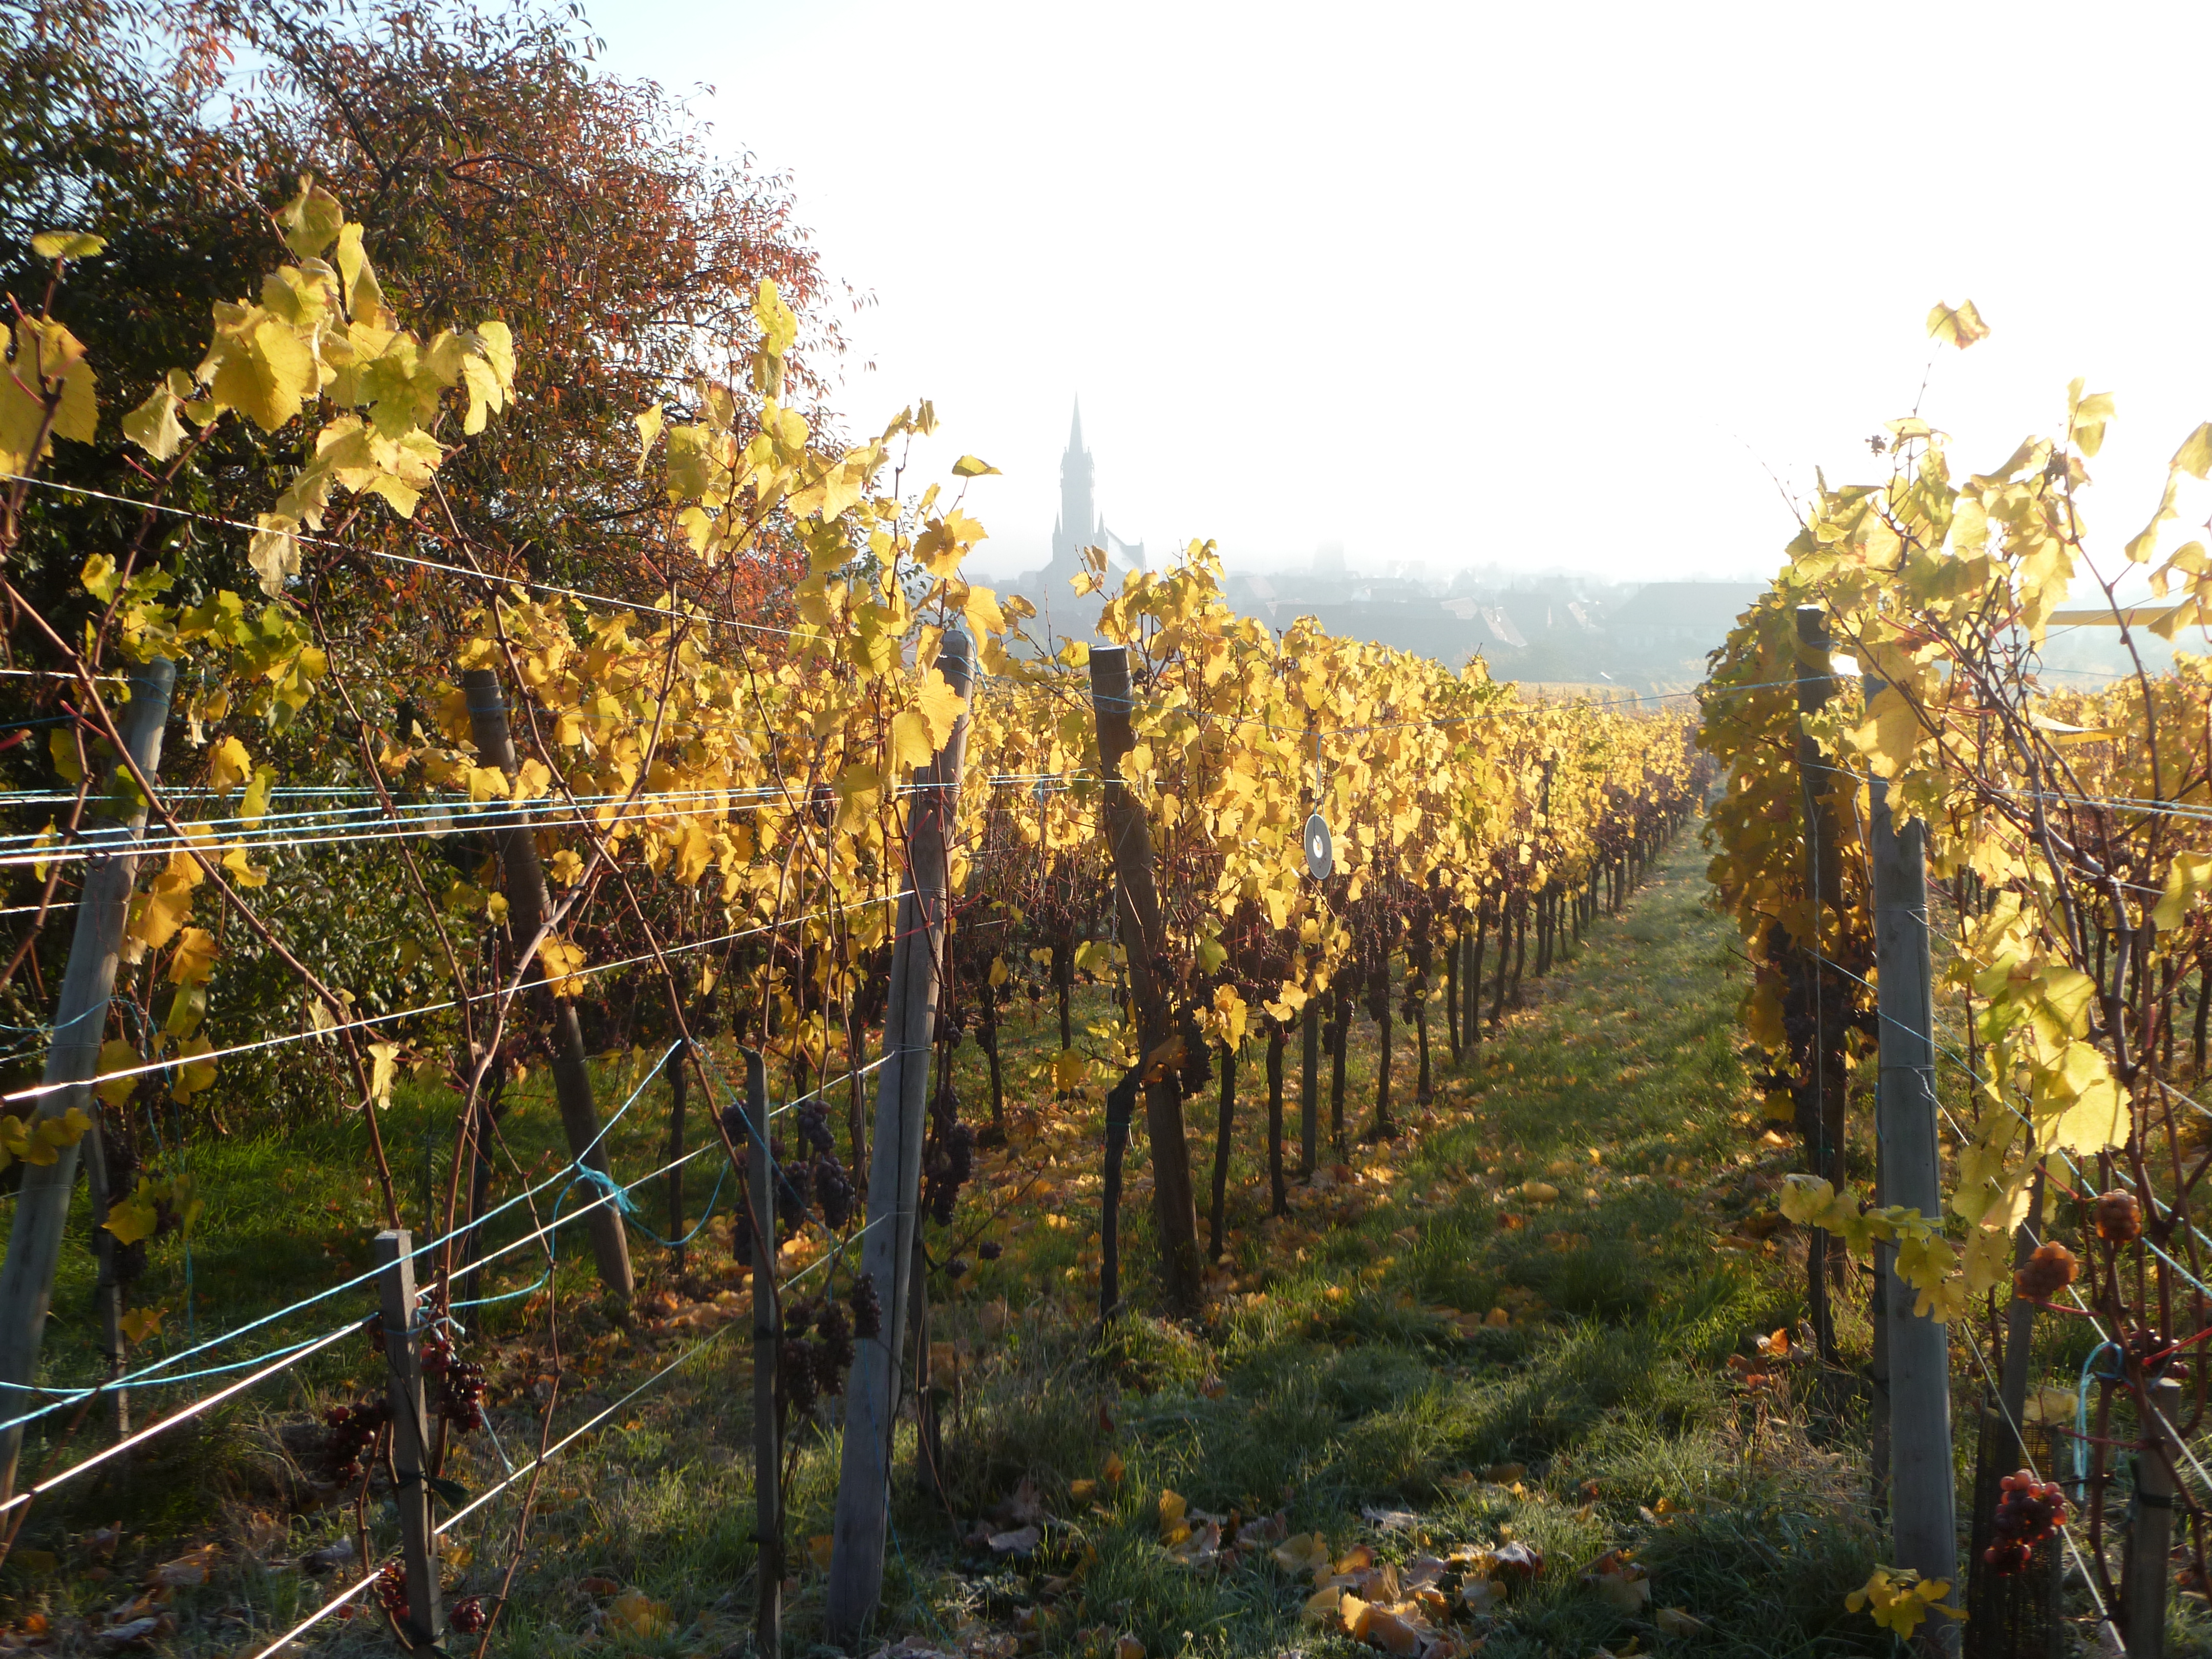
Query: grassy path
pixel 1426 1340
pixel 1427 1353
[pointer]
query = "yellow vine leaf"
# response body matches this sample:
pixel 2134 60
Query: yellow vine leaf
pixel 560 959
pixel 49 362
pixel 229 765
pixel 1960 326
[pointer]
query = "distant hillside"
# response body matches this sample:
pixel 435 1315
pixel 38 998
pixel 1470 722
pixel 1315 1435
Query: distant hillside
pixel 1644 637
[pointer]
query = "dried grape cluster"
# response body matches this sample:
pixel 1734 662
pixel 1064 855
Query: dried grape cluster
pixel 353 1431
pixel 2046 1273
pixel 460 1382
pixel 2028 1512
pixel 833 1187
pixel 867 1308
pixel 2119 1217
pixel 467 1615
pixel 807 1367
pixel 948 1157
pixel 833 1193
pixel 391 1589
pixel 814 1181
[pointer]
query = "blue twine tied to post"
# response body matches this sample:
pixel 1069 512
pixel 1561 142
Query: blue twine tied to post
pixel 587 1177
pixel 2081 1412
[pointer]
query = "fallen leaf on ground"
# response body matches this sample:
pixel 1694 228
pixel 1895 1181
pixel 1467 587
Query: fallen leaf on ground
pixel 187 1571
pixel 635 1613
pixel 1517 1556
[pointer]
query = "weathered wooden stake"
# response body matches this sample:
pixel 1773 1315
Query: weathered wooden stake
pixel 2143 1587
pixel 411 1440
pixel 1143 931
pixel 1309 1087
pixel 34 1236
pixel 1923 1522
pixel 522 878
pixel 871 1392
pixel 768 1340
pixel 677 1083
pixel 1278 1193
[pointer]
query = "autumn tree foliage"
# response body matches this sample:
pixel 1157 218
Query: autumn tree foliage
pixel 495 171
pixel 499 172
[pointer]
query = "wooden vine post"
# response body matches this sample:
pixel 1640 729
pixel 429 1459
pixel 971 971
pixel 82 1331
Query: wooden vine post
pixel 1309 1085
pixel 424 1623
pixel 676 1104
pixel 2147 1565
pixel 1921 1479
pixel 887 1243
pixel 42 1204
pixel 522 878
pixel 767 1343
pixel 1143 931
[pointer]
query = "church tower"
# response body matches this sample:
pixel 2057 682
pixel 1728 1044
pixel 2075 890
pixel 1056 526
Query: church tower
pixel 1079 525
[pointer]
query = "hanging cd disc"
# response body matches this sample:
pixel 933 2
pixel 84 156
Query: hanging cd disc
pixel 1321 852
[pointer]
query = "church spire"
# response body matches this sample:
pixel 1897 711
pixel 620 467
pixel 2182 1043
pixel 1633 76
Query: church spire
pixel 1078 508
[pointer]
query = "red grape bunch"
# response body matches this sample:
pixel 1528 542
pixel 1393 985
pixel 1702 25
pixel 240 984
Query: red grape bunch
pixel 353 1431
pixel 460 1381
pixel 2028 1512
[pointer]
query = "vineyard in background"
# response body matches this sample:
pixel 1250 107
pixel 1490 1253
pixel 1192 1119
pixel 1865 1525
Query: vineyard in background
pixel 338 800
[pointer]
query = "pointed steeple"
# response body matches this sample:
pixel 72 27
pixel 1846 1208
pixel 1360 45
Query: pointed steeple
pixel 1077 507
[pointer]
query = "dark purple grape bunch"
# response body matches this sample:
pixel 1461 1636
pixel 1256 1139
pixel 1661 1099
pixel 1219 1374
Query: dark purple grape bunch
pixel 795 1192
pixel 947 1163
pixel 809 1367
pixel 793 1185
pixel 2028 1512
pixel 352 1430
pixel 867 1307
pixel 833 1187
pixel 460 1381
pixel 814 1128
pixel 461 1404
pixel 467 1615
pixel 794 1361
pixel 833 1193
pixel 832 1347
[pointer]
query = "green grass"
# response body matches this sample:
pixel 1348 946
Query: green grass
pixel 1343 1368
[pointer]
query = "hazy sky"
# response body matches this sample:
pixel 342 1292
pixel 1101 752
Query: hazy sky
pixel 1478 284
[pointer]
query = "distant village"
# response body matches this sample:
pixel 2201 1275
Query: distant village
pixel 1560 629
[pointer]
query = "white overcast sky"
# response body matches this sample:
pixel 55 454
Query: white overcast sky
pixel 1476 284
